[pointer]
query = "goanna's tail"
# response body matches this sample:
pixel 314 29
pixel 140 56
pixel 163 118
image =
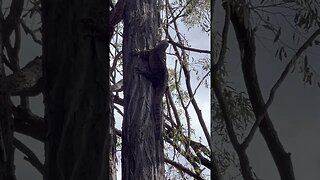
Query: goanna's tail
pixel 157 111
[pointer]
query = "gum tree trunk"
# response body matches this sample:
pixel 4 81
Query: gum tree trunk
pixel 75 73
pixel 139 146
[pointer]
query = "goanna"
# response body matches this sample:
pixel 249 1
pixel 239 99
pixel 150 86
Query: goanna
pixel 158 75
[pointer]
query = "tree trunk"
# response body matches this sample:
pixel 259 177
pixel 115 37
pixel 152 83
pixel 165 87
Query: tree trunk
pixel 142 154
pixel 6 125
pixel 75 74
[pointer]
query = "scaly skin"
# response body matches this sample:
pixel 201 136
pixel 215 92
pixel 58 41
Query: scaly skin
pixel 158 75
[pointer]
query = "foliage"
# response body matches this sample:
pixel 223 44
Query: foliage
pixel 302 18
pixel 196 14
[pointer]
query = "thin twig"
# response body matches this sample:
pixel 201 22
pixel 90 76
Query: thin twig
pixel 27 30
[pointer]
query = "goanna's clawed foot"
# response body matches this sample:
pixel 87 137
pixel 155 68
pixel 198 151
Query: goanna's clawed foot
pixel 135 52
pixel 136 69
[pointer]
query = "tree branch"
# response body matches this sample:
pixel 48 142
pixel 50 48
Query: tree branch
pixel 27 30
pixel 116 15
pixel 29 124
pixel 277 85
pixel 225 30
pixel 182 168
pixel 30 156
pixel 187 48
pixel 197 147
pixel 174 109
pixel 13 17
pixel 246 41
pixel 25 82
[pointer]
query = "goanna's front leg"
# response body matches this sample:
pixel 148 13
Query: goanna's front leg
pixel 145 73
pixel 144 54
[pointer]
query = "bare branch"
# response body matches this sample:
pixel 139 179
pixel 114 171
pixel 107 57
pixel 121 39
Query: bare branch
pixel 29 124
pixel 17 40
pixel 27 30
pixel 182 168
pixel 13 18
pixel 174 109
pixel 118 100
pixel 30 156
pixel 187 48
pixel 25 82
pixel 195 90
pixel 6 62
pixel 117 87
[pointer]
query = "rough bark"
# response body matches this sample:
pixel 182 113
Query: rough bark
pixel 246 40
pixel 6 125
pixel 139 146
pixel 75 77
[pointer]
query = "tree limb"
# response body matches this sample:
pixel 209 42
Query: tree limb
pixel 223 49
pixel 277 85
pixel 30 156
pixel 13 17
pixel 28 123
pixel 182 168
pixel 187 48
pixel 25 82
pixel 27 30
pixel 246 41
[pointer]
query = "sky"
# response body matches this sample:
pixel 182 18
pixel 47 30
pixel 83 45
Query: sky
pixel 294 112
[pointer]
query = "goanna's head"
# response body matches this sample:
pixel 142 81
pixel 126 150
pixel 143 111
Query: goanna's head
pixel 163 45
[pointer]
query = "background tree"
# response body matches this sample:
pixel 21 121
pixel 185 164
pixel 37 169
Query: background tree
pixel 75 89
pixel 73 140
pixel 248 18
